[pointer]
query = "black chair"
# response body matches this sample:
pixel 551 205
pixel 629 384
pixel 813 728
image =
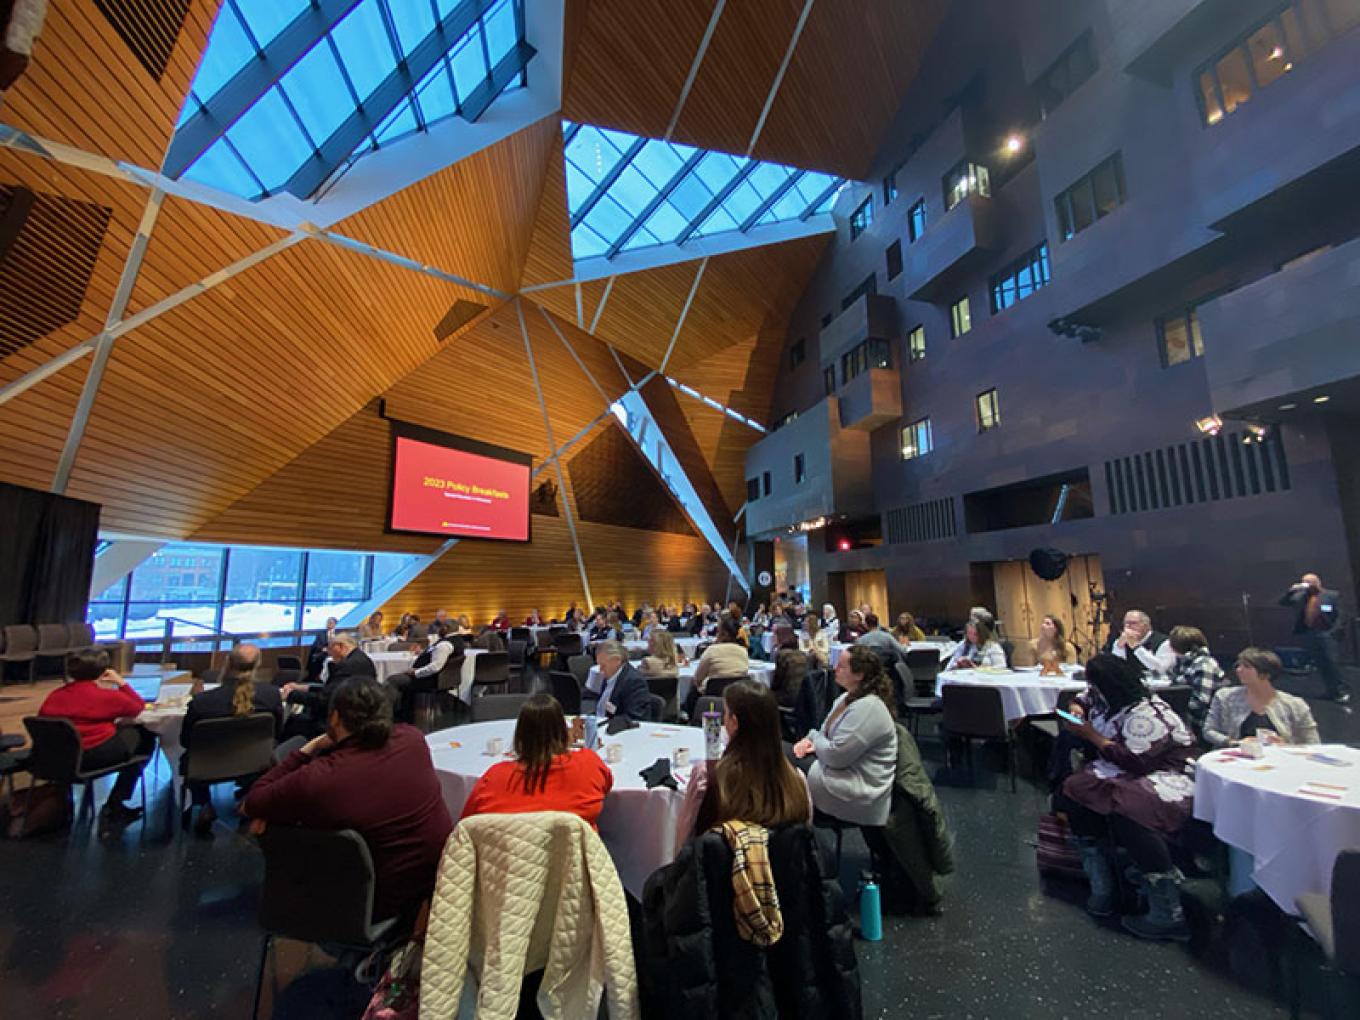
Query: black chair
pixel 427 693
pixel 1334 921
pixel 211 676
pixel 21 645
pixel 522 634
pixel 976 713
pixel 490 669
pixel 518 650
pixel 665 687
pixel 715 685
pixel 924 664
pixel 812 704
pixel 565 646
pixel 706 703
pixel 287 676
pixel 904 686
pixel 56 757
pixel 497 706
pixel 54 641
pixel 656 708
pixel 566 690
pixel 227 749
pixel 1178 697
pixel 1008 649
pixel 318 887
pixel 290 662
pixel 580 668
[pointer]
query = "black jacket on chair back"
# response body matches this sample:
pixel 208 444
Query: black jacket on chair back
pixel 694 964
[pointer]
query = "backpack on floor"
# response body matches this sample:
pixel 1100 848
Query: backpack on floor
pixel 46 806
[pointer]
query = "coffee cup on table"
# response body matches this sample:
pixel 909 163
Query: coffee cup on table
pixel 680 758
pixel 1252 747
pixel 613 753
pixel 495 745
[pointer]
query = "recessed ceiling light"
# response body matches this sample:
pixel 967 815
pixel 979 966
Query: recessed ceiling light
pixel 1014 144
pixel 1322 399
pixel 1288 407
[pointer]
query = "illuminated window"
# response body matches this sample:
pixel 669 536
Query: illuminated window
pixel 916 344
pixel 917 439
pixel 1179 338
pixel 967 178
pixel 916 220
pixel 1021 278
pixel 988 411
pixel 960 318
pixel 862 217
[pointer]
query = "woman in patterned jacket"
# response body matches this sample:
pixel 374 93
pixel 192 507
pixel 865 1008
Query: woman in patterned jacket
pixel 1136 789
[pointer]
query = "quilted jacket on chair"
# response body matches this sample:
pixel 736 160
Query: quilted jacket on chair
pixel 695 965
pixel 521 892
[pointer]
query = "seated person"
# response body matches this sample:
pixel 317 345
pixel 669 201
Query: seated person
pixel 622 690
pixel 1052 638
pixel 1135 790
pixel 534 619
pixel 366 774
pixel 489 640
pixel 1257 709
pixel 601 630
pixel 94 698
pixel 855 627
pixel 1197 669
pixel 662 659
pixel 346 662
pixel 725 659
pixel 545 775
pixel 906 630
pixel 501 622
pixel 978 648
pixel 790 666
pixel 464 628
pixel 1139 641
pixel 753 780
pixel 882 643
pixel 816 641
pixel 316 654
pixel 425 669
pixel 372 628
pixel 855 750
pixel 239 694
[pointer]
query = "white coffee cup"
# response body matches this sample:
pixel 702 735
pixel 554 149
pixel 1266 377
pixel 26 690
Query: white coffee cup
pixel 613 753
pixel 680 757
pixel 495 745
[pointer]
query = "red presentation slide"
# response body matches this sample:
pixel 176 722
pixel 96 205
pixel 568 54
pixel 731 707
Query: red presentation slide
pixel 441 491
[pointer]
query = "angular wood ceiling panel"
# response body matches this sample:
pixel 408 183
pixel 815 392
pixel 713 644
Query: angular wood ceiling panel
pixel 549 256
pixel 85 87
pixel 475 218
pixel 203 403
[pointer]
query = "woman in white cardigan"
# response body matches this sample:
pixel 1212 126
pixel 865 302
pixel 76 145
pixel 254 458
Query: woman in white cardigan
pixel 856 748
pixel 1257 709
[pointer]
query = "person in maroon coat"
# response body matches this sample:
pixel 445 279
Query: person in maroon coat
pixel 365 774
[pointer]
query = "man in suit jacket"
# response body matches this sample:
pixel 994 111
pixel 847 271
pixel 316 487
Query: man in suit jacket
pixel 347 662
pixel 316 654
pixel 623 691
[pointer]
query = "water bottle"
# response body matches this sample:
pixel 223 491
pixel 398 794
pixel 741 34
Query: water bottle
pixel 592 731
pixel 870 910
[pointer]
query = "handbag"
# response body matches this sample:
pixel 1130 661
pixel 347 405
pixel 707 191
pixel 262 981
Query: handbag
pixel 46 806
pixel 1055 853
pixel 397 996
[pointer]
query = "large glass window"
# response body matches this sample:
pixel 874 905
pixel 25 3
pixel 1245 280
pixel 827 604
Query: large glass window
pixel 893 256
pixel 960 318
pixel 916 220
pixel 871 353
pixel 862 217
pixel 1066 74
pixel 1179 338
pixel 916 344
pixel 917 439
pixel 202 589
pixel 988 411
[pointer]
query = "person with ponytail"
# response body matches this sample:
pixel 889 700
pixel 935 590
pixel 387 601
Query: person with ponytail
pixel 240 694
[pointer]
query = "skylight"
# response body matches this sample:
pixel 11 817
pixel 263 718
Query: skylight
pixel 626 192
pixel 291 92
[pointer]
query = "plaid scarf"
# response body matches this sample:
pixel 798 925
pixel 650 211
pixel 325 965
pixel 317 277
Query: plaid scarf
pixel 755 902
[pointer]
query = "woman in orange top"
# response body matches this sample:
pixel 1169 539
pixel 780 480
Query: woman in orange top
pixel 546 775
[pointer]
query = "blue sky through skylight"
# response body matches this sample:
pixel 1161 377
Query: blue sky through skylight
pixel 299 132
pixel 625 192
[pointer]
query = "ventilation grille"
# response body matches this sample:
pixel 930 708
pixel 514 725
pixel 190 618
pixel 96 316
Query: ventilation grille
pixel 922 522
pixel 44 273
pixel 149 27
pixel 543 500
pixel 456 318
pixel 614 484
pixel 1201 471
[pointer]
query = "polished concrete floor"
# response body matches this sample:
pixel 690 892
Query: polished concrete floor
pixel 146 926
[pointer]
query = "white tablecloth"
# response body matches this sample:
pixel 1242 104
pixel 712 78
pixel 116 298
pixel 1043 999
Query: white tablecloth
pixel 688 645
pixel 1023 692
pixel 1259 807
pixel 638 825
pixel 389 664
pixel 374 645
pixel 915 646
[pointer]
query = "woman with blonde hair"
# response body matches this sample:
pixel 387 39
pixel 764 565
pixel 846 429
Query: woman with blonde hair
pixel 662 658
pixel 816 641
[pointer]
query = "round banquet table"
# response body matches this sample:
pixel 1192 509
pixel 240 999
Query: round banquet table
pixel 1023 691
pixel 1292 814
pixel 638 825
pixel 688 646
pixel 758 670
pixel 930 646
pixel 389 664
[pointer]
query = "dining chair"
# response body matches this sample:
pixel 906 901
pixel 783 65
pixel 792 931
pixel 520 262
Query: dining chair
pixel 497 706
pixel 228 749
pixel 1334 922
pixel 976 713
pixel 56 757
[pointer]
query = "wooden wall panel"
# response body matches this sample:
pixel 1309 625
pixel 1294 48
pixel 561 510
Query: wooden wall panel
pixel 474 218
pixel 84 86
pixel 482 578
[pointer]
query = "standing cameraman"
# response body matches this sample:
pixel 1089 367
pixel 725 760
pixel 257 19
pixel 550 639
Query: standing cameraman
pixel 1316 615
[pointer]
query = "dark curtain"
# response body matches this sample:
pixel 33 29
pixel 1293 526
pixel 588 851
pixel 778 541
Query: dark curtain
pixel 47 545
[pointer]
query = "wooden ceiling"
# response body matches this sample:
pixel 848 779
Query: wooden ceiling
pixel 217 419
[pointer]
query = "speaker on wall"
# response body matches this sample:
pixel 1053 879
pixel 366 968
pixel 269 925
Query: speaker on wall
pixel 1050 564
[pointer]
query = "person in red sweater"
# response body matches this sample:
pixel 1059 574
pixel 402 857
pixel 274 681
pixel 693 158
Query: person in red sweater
pixel 93 699
pixel 545 776
pixel 368 775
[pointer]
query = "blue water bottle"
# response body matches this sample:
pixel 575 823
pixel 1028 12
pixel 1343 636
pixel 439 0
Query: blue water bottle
pixel 870 910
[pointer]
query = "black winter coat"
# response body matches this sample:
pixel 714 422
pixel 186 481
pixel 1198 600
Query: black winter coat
pixel 694 964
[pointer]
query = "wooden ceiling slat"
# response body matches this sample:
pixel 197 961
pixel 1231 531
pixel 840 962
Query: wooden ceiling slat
pixel 549 255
